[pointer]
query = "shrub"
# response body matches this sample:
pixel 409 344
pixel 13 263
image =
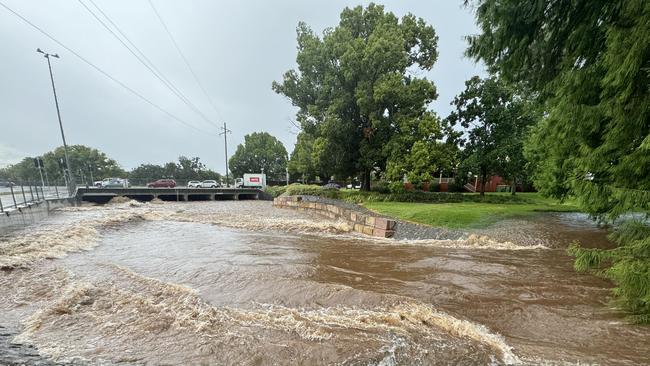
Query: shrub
pixel 381 187
pixel 311 190
pixel 276 190
pixel 396 187
pixel 306 189
pixel 456 186
pixel 400 194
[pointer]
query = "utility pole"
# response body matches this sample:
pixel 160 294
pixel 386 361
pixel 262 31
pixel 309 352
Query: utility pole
pixel 39 163
pixel 58 114
pixel 225 131
pixel 47 180
pixel 90 169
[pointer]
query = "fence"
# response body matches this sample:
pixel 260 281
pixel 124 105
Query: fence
pixel 17 195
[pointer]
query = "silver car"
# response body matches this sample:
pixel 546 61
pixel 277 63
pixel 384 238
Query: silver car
pixel 210 184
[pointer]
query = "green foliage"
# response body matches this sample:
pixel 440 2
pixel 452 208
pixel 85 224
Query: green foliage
pixel 396 187
pixel 185 169
pixel 414 196
pixel 628 266
pixel 428 148
pixel 589 62
pixel 381 186
pixel 456 186
pixel 276 191
pixel 359 102
pixel 496 118
pixel 84 161
pixel 260 152
pixel 311 190
pixel 301 161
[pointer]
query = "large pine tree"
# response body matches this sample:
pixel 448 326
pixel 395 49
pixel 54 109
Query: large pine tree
pixel 590 62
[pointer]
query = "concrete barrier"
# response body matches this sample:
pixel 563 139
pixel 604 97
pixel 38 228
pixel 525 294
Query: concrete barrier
pixel 32 212
pixel 362 222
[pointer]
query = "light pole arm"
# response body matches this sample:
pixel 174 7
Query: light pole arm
pixel 71 183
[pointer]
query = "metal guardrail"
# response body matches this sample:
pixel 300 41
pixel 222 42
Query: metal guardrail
pixel 23 195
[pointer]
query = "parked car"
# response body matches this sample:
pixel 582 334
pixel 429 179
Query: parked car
pixel 6 183
pixel 210 184
pixel 162 183
pixel 194 184
pixel 354 185
pixel 332 185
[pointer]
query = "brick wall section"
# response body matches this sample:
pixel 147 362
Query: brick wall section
pixel 360 222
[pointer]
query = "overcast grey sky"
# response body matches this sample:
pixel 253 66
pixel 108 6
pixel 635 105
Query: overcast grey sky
pixel 236 48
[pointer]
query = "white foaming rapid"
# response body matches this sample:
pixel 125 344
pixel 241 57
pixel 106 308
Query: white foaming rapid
pixel 133 309
pixel 21 251
pixel 472 241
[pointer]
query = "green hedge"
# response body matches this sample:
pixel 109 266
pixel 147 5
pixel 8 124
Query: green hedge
pixel 403 196
pixel 276 190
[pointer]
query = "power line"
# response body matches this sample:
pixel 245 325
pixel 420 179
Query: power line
pixel 129 41
pixel 148 64
pixel 118 82
pixel 166 81
pixel 184 59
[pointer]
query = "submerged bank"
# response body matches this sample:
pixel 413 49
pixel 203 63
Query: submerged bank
pixel 242 282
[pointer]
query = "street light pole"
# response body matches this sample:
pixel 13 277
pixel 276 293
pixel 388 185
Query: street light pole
pixel 58 114
pixel 225 131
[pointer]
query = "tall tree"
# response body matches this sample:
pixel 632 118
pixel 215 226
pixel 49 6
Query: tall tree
pixel 589 60
pixel 301 161
pixel 422 148
pixel 356 90
pixel 496 119
pixel 260 152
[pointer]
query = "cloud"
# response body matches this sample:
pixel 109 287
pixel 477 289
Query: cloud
pixel 10 155
pixel 237 49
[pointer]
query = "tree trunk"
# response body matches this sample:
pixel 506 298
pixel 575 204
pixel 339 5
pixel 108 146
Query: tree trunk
pixel 483 179
pixel 514 186
pixel 365 180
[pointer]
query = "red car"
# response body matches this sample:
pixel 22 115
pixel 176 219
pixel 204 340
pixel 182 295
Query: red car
pixel 162 183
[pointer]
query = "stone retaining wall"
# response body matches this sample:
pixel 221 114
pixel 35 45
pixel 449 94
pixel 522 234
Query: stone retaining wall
pixel 361 222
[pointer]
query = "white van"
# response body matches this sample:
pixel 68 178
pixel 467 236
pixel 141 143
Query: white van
pixel 251 181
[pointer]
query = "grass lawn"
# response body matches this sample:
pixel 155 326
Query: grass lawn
pixel 468 214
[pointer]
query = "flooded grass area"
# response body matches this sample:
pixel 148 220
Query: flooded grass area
pixel 246 283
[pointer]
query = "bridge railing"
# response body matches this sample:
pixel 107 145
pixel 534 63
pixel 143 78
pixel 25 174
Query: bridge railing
pixel 14 195
pixel 142 182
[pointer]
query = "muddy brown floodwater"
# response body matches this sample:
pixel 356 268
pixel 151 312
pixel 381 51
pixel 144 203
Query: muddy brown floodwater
pixel 243 283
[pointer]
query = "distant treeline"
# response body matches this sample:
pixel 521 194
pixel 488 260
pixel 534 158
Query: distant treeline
pixel 89 164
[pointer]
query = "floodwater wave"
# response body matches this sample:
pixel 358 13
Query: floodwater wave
pixel 24 250
pixel 149 306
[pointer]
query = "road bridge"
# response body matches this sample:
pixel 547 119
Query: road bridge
pixel 103 195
